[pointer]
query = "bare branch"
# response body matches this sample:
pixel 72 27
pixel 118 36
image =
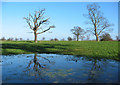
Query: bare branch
pixel 28 21
pixel 91 31
pixel 46 29
pixel 43 21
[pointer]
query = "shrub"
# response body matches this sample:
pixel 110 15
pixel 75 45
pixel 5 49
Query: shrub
pixel 106 37
pixel 69 39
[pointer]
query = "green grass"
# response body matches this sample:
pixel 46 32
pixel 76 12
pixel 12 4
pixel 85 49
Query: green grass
pixel 103 49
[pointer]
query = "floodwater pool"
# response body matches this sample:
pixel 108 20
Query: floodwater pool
pixel 55 68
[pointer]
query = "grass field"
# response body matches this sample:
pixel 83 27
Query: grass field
pixel 103 49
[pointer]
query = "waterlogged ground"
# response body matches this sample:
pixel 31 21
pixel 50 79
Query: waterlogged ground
pixel 52 68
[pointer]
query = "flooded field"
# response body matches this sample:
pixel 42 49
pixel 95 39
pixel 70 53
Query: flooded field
pixel 54 68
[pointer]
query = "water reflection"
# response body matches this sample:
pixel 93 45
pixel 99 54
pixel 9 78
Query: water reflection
pixel 93 71
pixel 37 66
pixel 52 68
pixel 94 67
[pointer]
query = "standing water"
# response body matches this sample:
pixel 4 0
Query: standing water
pixel 53 68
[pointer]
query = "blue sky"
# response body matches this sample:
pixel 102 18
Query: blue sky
pixel 64 15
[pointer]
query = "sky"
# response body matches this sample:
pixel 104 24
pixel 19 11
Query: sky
pixel 60 0
pixel 64 15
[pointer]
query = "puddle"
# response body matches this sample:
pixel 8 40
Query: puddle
pixel 54 68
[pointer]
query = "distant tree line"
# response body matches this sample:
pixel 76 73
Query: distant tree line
pixel 103 37
pixel 13 39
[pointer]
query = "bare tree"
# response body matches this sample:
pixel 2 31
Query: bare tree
pixel 27 39
pixel 21 39
pixel 63 39
pixel 36 22
pixel 117 38
pixel 55 39
pixel 16 39
pixel 10 39
pixel 100 23
pixel 77 31
pixel 43 38
pixel 51 39
pixel 3 38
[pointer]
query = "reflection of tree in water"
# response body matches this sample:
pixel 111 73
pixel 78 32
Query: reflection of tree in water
pixel 36 67
pixel 93 71
pixel 96 66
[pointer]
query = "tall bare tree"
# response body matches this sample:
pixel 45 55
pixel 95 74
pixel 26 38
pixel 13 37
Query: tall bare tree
pixel 100 23
pixel 77 31
pixel 36 22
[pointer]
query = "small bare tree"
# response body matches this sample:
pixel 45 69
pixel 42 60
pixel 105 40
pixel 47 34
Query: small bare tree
pixel 27 39
pixel 21 39
pixel 36 22
pixel 77 31
pixel 100 23
pixel 55 39
pixel 63 39
pixel 117 38
pixel 10 39
pixel 3 38
pixel 43 38
pixel 51 39
pixel 16 39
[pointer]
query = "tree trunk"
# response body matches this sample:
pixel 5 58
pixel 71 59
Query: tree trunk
pixel 35 58
pixel 77 38
pixel 35 39
pixel 97 38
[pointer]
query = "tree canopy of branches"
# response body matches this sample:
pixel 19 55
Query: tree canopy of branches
pixel 36 21
pixel 78 31
pixel 106 37
pixel 100 23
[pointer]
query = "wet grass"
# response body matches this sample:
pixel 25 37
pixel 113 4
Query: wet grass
pixel 103 49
